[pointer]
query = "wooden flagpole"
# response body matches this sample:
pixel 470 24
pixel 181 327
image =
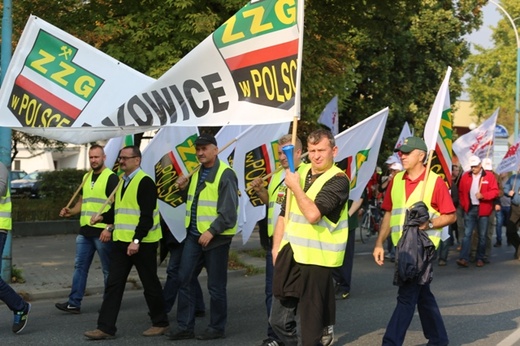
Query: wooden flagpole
pixel 79 189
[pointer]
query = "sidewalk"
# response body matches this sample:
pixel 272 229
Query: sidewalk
pixel 47 265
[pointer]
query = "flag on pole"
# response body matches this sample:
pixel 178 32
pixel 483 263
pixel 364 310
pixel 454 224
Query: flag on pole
pixel 478 142
pixel 405 133
pixel 511 160
pixel 329 116
pixel 438 131
pixel 112 149
pixel 227 140
pixel 170 154
pixel 358 149
pixel 256 155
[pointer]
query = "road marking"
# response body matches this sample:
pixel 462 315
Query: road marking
pixel 511 339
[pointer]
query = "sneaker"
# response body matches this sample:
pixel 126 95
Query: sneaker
pixel 271 342
pixel 211 334
pixel 68 308
pixel 327 337
pixel 182 335
pixel 498 244
pixel 21 318
pixel 442 263
pixel 342 295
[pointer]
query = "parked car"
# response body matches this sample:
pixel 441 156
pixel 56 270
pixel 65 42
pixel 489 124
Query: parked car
pixel 15 175
pixel 27 187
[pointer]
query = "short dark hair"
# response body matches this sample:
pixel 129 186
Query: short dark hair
pixel 97 146
pixel 317 135
pixel 135 150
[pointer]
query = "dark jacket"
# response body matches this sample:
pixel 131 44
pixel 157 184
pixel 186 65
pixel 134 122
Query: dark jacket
pixel 415 250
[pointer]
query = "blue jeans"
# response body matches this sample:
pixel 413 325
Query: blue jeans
pixel 502 217
pixel 13 301
pixel 471 221
pixel 410 295
pixel 269 270
pixel 216 262
pixel 171 286
pixel 85 249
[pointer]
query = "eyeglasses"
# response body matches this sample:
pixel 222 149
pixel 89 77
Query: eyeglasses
pixel 124 158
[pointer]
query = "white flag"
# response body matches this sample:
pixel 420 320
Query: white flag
pixel 478 142
pixel 405 133
pixel 169 154
pixel 358 149
pixel 256 155
pixel 511 160
pixel 329 116
pixel 227 141
pixel 441 103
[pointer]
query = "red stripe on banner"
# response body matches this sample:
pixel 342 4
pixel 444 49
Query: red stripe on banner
pixel 175 164
pixel 64 107
pixel 260 56
pixel 267 159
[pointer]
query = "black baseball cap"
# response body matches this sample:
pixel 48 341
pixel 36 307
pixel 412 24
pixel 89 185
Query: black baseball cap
pixel 205 139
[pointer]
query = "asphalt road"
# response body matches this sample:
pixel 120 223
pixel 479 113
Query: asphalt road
pixel 480 306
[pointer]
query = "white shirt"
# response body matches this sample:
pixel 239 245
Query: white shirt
pixel 475 188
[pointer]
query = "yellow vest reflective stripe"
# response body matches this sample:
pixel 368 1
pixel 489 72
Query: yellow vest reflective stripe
pixel 273 190
pixel 322 243
pixel 400 204
pixel 93 198
pixel 207 204
pixel 6 222
pixel 127 213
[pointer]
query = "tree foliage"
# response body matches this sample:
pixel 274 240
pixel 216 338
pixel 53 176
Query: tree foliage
pixel 492 77
pixel 371 53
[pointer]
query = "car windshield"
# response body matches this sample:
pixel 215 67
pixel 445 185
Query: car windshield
pixel 31 176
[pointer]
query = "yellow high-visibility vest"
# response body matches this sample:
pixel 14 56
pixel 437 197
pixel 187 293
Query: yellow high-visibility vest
pixel 324 242
pixel 93 198
pixel 207 204
pixel 127 214
pixel 400 204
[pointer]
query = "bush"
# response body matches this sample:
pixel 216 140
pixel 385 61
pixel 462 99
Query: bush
pixel 56 189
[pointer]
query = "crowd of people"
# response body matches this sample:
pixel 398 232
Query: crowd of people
pixel 308 235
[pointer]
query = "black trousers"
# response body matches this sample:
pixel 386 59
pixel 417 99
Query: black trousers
pixel 145 262
pixel 512 226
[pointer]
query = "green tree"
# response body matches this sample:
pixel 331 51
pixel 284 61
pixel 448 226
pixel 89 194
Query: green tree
pixel 492 71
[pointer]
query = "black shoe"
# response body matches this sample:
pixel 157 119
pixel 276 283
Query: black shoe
pixel 498 244
pixel 200 313
pixel 340 295
pixel 182 335
pixel 211 334
pixel 20 319
pixel 68 308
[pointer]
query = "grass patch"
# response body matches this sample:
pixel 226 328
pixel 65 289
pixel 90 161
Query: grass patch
pixel 16 275
pixel 235 263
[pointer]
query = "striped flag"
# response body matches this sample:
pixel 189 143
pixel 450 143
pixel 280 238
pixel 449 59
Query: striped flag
pixel 438 131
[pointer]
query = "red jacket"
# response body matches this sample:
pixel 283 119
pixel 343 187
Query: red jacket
pixel 488 189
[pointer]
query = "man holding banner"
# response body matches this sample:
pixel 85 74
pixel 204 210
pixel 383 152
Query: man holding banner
pixel 136 235
pixel 211 223
pixel 97 186
pixel 273 196
pixel 308 242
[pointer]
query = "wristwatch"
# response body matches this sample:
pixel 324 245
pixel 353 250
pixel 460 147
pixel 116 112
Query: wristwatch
pixel 136 241
pixel 430 224
pixel 110 228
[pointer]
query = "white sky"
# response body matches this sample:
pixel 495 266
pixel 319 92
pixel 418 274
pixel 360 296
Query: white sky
pixel 492 15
